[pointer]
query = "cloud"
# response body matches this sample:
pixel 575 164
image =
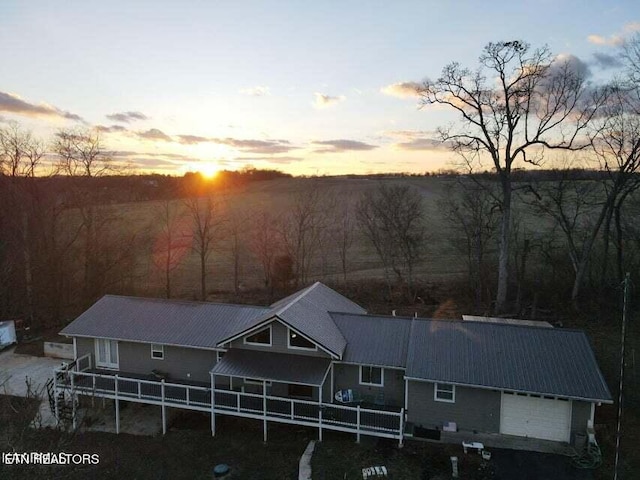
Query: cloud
pixel 606 61
pixel 325 101
pixel 256 146
pixel 111 129
pixel 570 63
pixel 127 117
pixel 617 39
pixel 258 91
pixel 127 153
pixel 279 160
pixel 422 144
pixel 406 133
pixel 14 104
pixel 192 139
pixel 155 135
pixel 337 146
pixel 402 89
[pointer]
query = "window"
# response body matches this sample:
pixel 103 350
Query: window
pixel 219 356
pixel 298 342
pixel 157 351
pixel 262 337
pixel 106 353
pixel 371 376
pixel 444 392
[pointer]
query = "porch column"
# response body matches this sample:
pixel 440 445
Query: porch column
pixel 332 384
pixel 55 395
pixel 264 409
pixel 320 413
pixel 73 402
pixel 213 405
pixel 401 436
pixel 164 413
pixel 115 382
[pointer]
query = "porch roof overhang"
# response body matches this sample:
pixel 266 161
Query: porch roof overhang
pixel 270 366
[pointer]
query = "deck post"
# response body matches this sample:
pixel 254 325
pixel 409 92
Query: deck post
pixel 117 404
pixel 213 405
pixel 73 401
pixel 93 392
pixel 358 425
pixel 55 395
pixel 320 414
pixel 264 409
pixel 164 413
pixel 401 437
pixel 332 384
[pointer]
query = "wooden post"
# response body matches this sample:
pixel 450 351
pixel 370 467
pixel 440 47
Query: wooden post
pixel 320 414
pixel 93 393
pixel 117 405
pixel 164 413
pixel 401 437
pixel 73 402
pixel 213 405
pixel 358 426
pixel 55 395
pixel 331 393
pixel 264 409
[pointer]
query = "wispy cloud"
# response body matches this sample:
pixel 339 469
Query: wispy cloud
pixel 325 101
pixel 404 134
pixel 341 145
pixel 155 135
pixel 617 39
pixel 257 146
pixel 111 129
pixel 192 139
pixel 258 91
pixel 127 117
pixel 14 104
pixel 402 89
pixel 276 160
pixel 422 144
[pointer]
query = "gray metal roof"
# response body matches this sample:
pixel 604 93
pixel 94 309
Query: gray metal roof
pixel 308 312
pixel 551 361
pixel 281 367
pixel 171 322
pixel 373 339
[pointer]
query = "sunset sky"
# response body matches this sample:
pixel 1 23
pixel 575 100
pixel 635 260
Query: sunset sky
pixel 305 87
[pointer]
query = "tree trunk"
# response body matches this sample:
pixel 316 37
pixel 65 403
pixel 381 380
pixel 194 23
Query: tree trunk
pixel 203 275
pixel 606 235
pixel 503 260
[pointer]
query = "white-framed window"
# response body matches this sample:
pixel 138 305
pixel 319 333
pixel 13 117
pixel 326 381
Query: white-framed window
pixel 295 341
pixel 371 376
pixel 261 337
pixel 444 392
pixel 219 355
pixel 255 381
pixel 106 353
pixel 157 351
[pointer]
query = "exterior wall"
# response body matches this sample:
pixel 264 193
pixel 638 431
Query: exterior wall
pixel 580 414
pixel 279 343
pixel 180 363
pixel 348 377
pixel 474 408
pixel 277 389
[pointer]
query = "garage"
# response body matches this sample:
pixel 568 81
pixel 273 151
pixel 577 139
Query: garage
pixel 536 417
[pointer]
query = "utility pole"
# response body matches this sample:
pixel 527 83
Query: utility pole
pixel 626 284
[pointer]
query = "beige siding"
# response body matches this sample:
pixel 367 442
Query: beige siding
pixel 348 377
pixel 279 343
pixel 474 408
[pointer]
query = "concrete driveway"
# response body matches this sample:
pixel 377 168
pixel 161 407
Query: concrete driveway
pixel 15 368
pixel 535 466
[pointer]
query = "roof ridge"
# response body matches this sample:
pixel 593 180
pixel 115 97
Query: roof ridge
pixel 302 293
pixel 180 300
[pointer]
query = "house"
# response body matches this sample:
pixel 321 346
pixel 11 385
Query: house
pixel 298 360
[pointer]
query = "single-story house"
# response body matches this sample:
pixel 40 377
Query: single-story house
pixel 316 358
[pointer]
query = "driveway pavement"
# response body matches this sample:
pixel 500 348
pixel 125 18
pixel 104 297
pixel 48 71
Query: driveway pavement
pixel 525 465
pixel 16 368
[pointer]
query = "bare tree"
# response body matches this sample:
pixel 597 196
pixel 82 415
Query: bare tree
pixel 471 209
pixel 20 152
pixel 392 218
pixel 207 223
pixel 518 103
pixel 343 231
pixel 173 242
pixel 265 244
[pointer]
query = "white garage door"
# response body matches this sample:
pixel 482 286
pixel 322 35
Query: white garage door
pixel 535 417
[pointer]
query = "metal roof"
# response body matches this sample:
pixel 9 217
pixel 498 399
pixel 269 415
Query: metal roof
pixel 170 322
pixel 548 361
pixel 374 339
pixel 308 312
pixel 280 367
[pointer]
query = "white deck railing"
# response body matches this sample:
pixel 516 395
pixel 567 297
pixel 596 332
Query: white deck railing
pixel 330 416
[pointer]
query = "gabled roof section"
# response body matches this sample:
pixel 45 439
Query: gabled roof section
pixel 307 311
pixel 547 361
pixel 170 322
pixel 374 339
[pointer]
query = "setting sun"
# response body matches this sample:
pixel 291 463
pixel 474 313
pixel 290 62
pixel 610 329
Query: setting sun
pixel 209 170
